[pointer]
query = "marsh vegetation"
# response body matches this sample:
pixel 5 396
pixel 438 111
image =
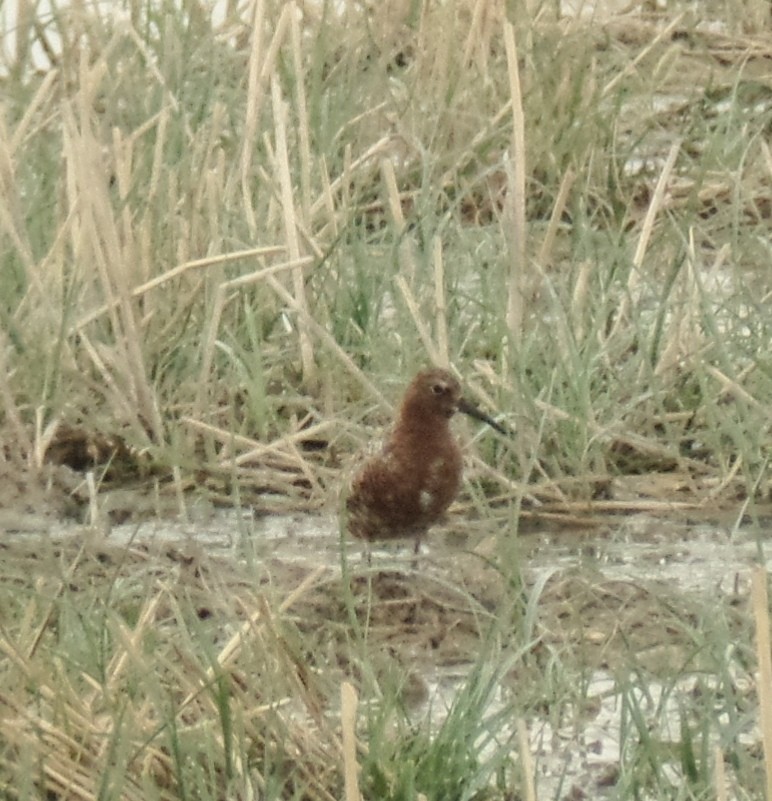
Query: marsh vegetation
pixel 228 240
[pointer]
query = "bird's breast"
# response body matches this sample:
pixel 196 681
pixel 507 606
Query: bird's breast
pixel 407 487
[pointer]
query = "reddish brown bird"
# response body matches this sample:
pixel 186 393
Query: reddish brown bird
pixel 406 488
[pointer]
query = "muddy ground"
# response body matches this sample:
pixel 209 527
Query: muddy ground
pixel 629 590
pixel 624 584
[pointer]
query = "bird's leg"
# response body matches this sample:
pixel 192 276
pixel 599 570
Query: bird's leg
pixel 416 549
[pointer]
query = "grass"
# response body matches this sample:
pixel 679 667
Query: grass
pixel 226 246
pixel 165 672
pixel 212 234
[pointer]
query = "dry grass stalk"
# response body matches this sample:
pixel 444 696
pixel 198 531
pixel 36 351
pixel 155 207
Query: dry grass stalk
pixel 328 203
pixel 342 181
pixel 526 761
pixel 418 321
pixel 440 306
pixel 305 346
pixel 258 450
pixel 392 196
pixel 516 197
pixel 95 518
pixel 100 238
pixel 767 153
pixel 308 471
pixel 12 413
pixel 643 239
pixel 580 298
pixel 662 35
pixel 652 211
pixel 328 341
pixel 120 403
pixel 161 132
pixel 261 68
pixel 719 774
pixel 179 492
pixel 559 206
pixel 348 719
pixel 482 29
pixel 406 257
pixel 685 338
pixel 732 388
pixel 224 294
pixel 131 642
pixel 760 604
pixel 301 109
pixel 43 95
pixel 631 507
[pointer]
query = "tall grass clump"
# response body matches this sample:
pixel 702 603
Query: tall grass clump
pixel 163 672
pixel 220 233
pixel 153 685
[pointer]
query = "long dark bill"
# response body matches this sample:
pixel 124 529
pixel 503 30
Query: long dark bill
pixel 472 411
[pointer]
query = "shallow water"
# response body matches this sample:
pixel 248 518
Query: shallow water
pixel 691 557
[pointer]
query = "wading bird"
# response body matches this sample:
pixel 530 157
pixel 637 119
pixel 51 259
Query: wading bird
pixel 406 487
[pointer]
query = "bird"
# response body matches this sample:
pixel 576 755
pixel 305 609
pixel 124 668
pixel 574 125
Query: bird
pixel 404 489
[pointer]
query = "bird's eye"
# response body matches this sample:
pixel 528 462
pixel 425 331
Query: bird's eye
pixel 439 389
